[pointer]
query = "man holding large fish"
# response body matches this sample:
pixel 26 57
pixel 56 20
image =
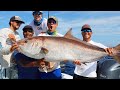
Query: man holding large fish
pixel 57 49
pixel 54 69
pixel 48 70
pixel 6 34
pixel 24 64
pixel 86 70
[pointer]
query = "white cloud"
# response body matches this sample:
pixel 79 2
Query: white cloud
pixel 104 24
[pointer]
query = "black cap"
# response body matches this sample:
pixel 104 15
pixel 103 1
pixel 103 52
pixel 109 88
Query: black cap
pixel 16 18
pixel 54 18
pixel 28 27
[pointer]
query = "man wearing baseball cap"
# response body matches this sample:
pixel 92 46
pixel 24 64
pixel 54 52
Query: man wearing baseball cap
pixel 54 70
pixel 39 24
pixel 16 18
pixel 53 18
pixel 8 37
pixel 25 65
pixel 87 70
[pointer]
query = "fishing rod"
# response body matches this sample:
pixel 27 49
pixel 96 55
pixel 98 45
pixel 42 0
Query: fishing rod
pixel 48 14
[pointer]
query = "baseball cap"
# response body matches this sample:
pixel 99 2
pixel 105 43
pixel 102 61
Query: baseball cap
pixel 86 26
pixel 37 12
pixel 16 18
pixel 54 18
pixel 28 28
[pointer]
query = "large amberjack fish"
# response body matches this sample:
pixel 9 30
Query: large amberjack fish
pixel 63 48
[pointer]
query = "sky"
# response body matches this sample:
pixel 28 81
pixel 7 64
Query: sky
pixel 105 24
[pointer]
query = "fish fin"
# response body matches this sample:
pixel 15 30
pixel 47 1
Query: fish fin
pixel 117 47
pixel 117 53
pixel 70 36
pixel 44 50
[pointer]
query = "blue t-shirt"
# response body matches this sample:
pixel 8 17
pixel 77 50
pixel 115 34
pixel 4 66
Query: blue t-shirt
pixel 26 72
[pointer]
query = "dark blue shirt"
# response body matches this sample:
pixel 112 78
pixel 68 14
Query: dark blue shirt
pixel 26 72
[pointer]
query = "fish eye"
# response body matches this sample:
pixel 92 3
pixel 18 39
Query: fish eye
pixel 25 41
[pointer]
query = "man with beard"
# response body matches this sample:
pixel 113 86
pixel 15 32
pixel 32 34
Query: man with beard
pixel 7 38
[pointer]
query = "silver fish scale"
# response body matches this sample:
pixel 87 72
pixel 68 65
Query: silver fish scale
pixel 60 49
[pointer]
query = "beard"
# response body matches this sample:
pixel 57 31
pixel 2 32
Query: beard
pixel 16 27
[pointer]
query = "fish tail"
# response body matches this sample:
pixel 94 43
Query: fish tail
pixel 117 53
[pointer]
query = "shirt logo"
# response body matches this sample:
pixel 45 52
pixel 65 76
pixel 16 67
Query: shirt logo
pixel 39 28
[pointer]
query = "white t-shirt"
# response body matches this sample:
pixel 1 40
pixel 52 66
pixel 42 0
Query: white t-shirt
pixel 57 64
pixel 5 53
pixel 41 28
pixel 88 69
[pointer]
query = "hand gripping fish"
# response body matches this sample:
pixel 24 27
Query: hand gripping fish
pixel 63 48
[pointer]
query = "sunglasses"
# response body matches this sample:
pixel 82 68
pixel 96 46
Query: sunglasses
pixel 37 13
pixel 86 30
pixel 52 21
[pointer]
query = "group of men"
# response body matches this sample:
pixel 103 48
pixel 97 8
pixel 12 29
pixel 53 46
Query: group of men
pixel 30 68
